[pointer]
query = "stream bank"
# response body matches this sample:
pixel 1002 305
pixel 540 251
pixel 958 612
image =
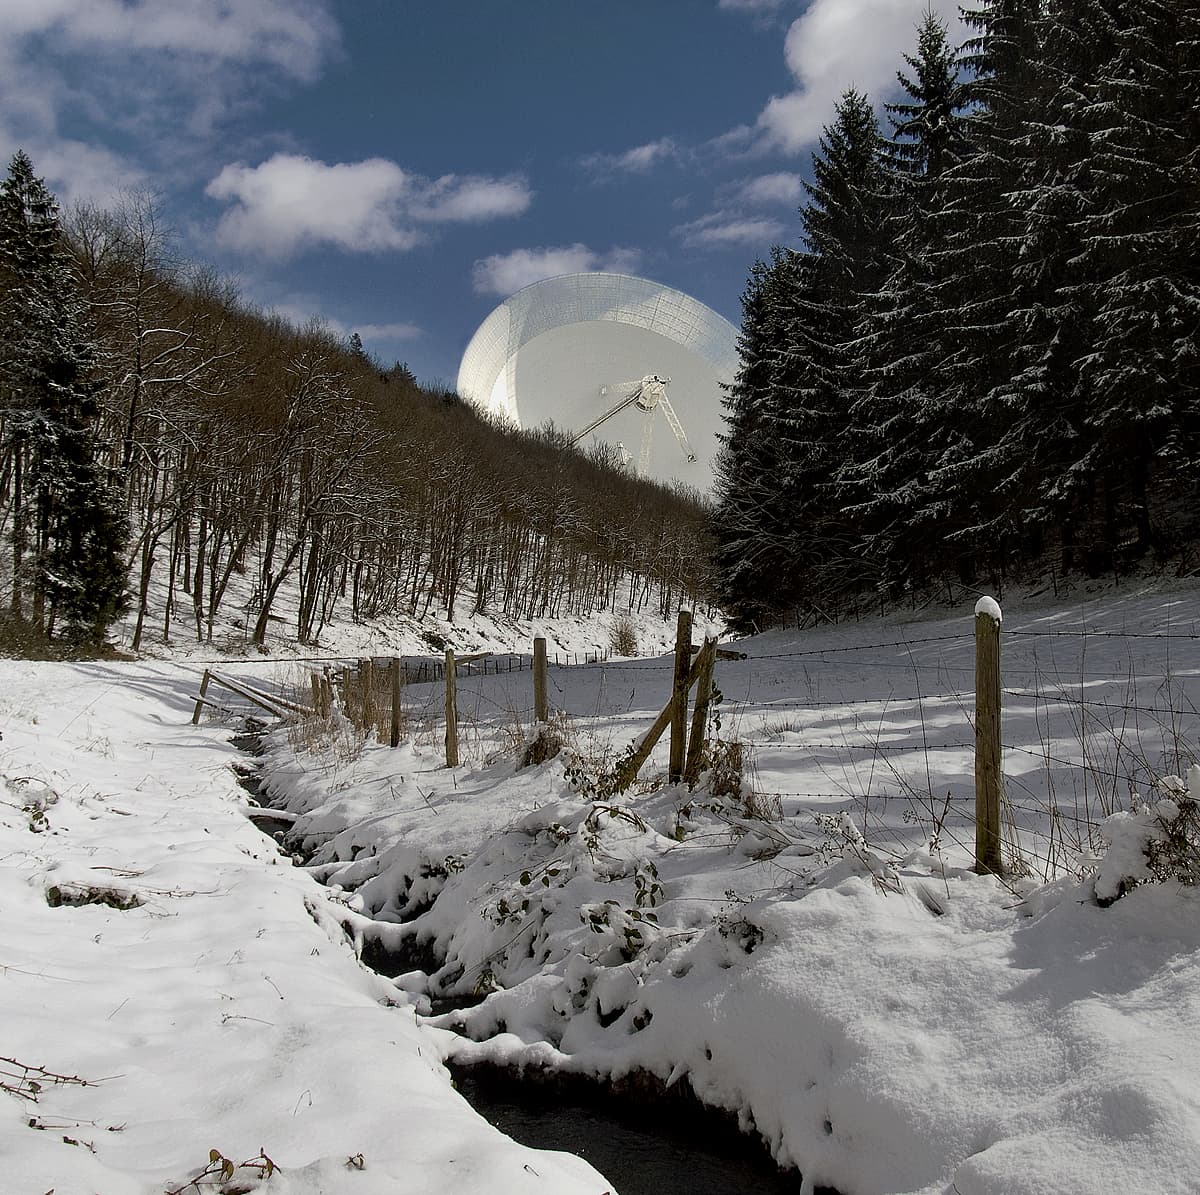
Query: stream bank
pixel 647 1138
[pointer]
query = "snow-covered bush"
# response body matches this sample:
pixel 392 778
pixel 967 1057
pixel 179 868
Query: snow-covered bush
pixel 543 740
pixel 622 637
pixel 1156 842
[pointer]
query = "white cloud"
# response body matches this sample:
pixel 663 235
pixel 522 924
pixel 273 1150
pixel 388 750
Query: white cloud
pixel 290 203
pixel 769 189
pixel 838 44
pixel 733 220
pixel 638 160
pixel 75 171
pixel 472 199
pixel 621 261
pixel 388 333
pixel 30 99
pixel 720 230
pixel 304 310
pixel 755 6
pixel 505 273
pixel 160 74
pixel 294 36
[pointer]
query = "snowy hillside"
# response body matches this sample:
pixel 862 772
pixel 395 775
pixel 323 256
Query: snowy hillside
pixel 804 943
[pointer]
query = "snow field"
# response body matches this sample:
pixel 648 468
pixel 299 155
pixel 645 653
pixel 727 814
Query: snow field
pixel 224 1011
pixel 887 1020
pixel 832 972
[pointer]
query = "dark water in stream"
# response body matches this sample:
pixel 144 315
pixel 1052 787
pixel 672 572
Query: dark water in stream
pixel 644 1144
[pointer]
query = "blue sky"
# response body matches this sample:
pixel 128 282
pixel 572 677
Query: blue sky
pixel 396 167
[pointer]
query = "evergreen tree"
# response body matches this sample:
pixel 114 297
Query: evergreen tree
pixel 980 487
pixel 749 523
pixel 899 425
pixel 928 133
pixel 1093 406
pixel 1140 258
pixel 1051 299
pixel 989 351
pixel 68 534
pixel 818 374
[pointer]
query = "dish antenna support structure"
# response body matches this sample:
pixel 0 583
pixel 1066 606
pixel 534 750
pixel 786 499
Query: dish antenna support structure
pixel 649 394
pixel 556 351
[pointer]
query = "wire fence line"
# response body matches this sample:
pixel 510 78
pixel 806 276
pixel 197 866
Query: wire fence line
pixel 1067 700
pixel 1090 634
pixel 1102 744
pixel 808 745
pixel 964 638
pixel 1088 721
pixel 957 695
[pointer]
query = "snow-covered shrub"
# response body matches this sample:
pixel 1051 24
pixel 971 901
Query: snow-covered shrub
pixel 725 762
pixel 1155 843
pixel 592 773
pixel 622 637
pixel 735 926
pixel 543 741
pixel 624 931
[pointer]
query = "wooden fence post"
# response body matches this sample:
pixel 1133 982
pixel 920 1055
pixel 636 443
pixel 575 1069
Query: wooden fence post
pixel 395 735
pixel 451 712
pixel 987 737
pixel 695 752
pixel 315 679
pixel 366 692
pixel 627 772
pixel 541 701
pixel 679 696
pixel 203 695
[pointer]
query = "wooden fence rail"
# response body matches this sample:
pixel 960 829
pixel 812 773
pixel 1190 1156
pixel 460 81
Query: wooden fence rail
pixel 272 703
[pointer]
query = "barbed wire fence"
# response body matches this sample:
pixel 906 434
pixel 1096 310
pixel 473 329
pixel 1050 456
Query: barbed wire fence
pixel 1080 739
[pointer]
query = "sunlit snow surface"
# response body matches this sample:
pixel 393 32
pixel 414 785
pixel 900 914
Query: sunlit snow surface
pixel 888 1021
pixel 221 1013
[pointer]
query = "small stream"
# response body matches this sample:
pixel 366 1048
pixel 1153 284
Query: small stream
pixel 250 741
pixel 645 1140
pixel 645 1145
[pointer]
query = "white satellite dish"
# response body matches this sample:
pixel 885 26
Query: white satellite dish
pixel 609 357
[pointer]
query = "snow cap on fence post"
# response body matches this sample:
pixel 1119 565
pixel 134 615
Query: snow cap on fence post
pixel 990 607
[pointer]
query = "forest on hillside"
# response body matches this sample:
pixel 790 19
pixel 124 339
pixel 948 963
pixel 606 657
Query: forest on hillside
pixel 983 361
pixel 159 437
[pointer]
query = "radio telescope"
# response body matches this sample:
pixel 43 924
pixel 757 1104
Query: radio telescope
pixel 611 358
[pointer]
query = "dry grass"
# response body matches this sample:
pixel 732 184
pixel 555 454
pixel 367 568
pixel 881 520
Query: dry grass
pixel 366 699
pixel 331 735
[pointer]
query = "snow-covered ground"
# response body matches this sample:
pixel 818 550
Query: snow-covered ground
pixel 394 633
pixel 217 1013
pixel 806 947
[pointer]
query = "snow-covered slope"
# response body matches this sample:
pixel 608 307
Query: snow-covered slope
pixel 807 947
